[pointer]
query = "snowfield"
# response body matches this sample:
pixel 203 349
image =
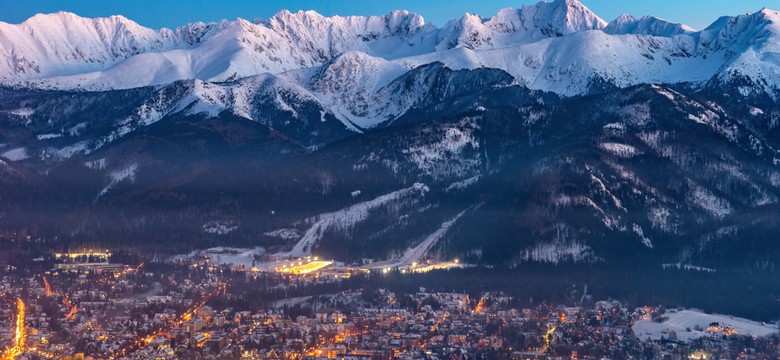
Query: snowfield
pixel 234 257
pixel 17 154
pixel 345 219
pixel 125 174
pixel 680 321
pixel 559 46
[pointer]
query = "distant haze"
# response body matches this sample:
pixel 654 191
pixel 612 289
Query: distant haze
pixel 152 13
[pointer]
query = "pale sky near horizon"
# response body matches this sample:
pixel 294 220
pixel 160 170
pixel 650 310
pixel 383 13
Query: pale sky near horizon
pixel 173 13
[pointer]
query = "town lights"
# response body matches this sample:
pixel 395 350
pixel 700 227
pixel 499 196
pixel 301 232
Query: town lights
pixel 20 333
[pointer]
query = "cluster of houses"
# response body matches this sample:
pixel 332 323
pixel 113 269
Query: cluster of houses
pixel 182 313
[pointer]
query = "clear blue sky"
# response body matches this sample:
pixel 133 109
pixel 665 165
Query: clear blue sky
pixel 172 13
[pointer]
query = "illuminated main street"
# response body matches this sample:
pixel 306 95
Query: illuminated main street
pixel 20 333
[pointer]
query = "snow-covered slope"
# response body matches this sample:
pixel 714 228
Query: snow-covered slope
pixel 64 43
pixel 510 26
pixel 752 45
pixel 68 51
pixel 559 46
pixel 647 25
pixel 343 220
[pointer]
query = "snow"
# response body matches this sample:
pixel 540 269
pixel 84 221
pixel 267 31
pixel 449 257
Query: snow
pixel 775 179
pixel 463 184
pixel 602 188
pixel 661 218
pixel 709 202
pixel 17 154
pixel 568 65
pixel 125 174
pixel 647 25
pixel 345 219
pixel 564 200
pixel 48 136
pixel 559 46
pixel 235 257
pixel 756 111
pixel 639 232
pixel 417 253
pixel 705 118
pixel 688 267
pixel 615 127
pixel 104 49
pixel 621 150
pixel 76 130
pixel 219 229
pixel 284 234
pixel 555 253
pixel 447 156
pixel 23 112
pixel 510 26
pixel 98 164
pixel 681 321
pixel 81 147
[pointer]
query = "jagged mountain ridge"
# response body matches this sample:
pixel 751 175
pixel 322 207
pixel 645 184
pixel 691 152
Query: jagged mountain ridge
pixel 559 46
pixel 647 25
pixel 602 178
pixel 53 126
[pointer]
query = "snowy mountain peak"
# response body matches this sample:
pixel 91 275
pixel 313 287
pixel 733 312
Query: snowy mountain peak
pixel 769 12
pixel 624 18
pixel 647 25
pixel 559 46
pixel 513 27
pixel 65 17
pixel 65 43
pixel 563 17
pixel 398 22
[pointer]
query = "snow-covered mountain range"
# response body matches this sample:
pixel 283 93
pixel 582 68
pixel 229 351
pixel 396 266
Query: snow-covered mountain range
pixel 540 134
pixel 558 46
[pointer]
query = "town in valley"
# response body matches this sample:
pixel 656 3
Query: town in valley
pixel 225 304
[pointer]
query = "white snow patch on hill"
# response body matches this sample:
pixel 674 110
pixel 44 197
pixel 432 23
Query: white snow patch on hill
pixel 645 240
pixel 285 234
pixel 621 150
pixel 48 136
pixel 555 253
pixel 445 157
pixel 464 184
pixel 680 321
pixel 345 219
pixel 17 154
pixel 219 229
pixel 230 256
pixel 709 202
pixel 688 267
pixel 661 218
pixel 81 147
pixel 127 173
pixel 23 112
pixel 98 164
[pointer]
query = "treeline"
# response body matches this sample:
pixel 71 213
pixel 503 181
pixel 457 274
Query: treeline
pixel 752 295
